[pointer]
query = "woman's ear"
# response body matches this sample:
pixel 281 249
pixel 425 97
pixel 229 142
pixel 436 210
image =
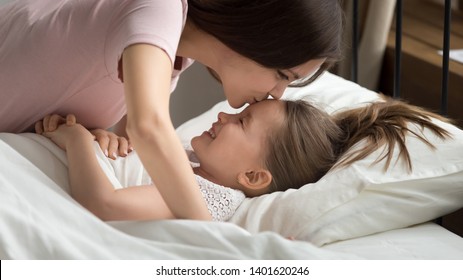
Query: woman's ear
pixel 255 182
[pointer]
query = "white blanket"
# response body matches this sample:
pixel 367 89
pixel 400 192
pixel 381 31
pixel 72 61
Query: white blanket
pixel 40 220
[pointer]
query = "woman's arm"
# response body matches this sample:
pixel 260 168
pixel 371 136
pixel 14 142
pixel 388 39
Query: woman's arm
pixel 147 74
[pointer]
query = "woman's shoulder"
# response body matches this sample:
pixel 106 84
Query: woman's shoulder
pixel 160 9
pixel 159 23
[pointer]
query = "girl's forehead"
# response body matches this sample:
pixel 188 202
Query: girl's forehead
pixel 266 110
pixel 264 105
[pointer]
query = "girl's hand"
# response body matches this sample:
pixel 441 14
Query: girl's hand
pixel 51 122
pixel 111 144
pixel 62 131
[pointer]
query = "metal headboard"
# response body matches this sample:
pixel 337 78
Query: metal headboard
pixel 398 51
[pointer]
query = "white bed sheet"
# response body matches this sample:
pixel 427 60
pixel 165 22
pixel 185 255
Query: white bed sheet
pixel 39 220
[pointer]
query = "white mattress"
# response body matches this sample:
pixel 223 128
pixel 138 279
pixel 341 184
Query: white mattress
pixel 427 241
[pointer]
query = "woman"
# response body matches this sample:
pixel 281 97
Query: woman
pixel 103 59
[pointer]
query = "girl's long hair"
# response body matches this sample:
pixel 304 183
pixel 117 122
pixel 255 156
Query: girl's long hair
pixel 312 142
pixel 383 124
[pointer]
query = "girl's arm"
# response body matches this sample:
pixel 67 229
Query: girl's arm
pixel 91 187
pixel 147 74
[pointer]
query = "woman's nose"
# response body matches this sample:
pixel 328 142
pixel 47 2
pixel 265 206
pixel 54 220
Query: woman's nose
pixel 278 90
pixel 263 98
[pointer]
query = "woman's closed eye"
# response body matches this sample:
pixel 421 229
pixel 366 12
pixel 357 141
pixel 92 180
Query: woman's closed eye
pixel 282 75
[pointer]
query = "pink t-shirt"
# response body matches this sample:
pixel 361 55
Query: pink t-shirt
pixel 62 56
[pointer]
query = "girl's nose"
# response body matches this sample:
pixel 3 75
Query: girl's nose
pixel 222 117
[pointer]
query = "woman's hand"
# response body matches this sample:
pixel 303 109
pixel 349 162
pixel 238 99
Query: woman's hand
pixel 111 144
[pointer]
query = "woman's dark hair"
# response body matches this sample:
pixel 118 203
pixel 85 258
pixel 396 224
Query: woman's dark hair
pixel 277 34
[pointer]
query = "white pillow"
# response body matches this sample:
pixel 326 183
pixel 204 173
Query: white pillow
pixel 360 199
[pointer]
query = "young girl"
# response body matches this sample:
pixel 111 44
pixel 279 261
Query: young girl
pixel 250 153
pixel 103 60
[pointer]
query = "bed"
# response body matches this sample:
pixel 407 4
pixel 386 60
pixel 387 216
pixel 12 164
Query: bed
pixel 359 212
